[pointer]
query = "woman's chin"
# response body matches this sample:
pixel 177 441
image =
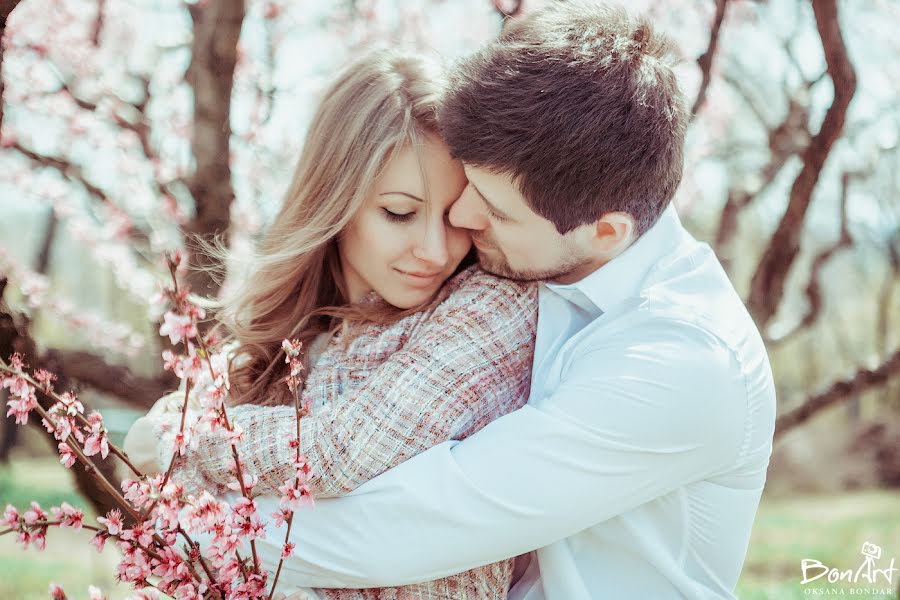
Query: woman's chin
pixel 409 298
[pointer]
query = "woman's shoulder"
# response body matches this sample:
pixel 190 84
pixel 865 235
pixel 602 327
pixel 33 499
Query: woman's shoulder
pixel 474 285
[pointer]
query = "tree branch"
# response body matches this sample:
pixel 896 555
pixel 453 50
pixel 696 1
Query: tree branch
pixel 98 23
pixel 116 380
pixel 66 168
pixel 705 60
pixel 814 287
pixel 861 381
pixel 217 27
pixel 767 285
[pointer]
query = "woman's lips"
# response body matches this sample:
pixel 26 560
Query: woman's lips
pixel 418 277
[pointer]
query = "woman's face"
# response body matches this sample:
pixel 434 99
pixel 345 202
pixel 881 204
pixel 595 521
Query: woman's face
pixel 401 244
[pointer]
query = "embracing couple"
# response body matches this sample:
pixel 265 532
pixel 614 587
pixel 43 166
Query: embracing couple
pixel 526 379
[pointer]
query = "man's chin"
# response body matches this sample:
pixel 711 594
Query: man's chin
pixel 501 268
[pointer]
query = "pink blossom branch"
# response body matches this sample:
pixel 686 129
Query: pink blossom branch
pixel 81 418
pixel 293 354
pixel 6 8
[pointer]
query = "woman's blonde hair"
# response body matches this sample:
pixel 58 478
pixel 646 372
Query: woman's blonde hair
pixel 295 288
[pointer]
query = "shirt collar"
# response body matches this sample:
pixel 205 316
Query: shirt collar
pixel 621 277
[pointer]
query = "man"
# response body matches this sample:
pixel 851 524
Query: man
pixel 636 468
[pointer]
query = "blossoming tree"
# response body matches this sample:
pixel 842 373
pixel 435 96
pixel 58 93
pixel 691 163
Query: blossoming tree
pixel 129 127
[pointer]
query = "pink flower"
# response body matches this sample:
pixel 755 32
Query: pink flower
pixel 99 540
pixel 134 567
pixel 10 516
pixel 205 513
pixel 63 425
pixel 45 378
pixel 112 521
pixel 250 482
pixel 235 435
pixel 18 386
pixel 245 507
pixel 72 403
pixel 38 538
pixel 171 361
pixel 174 259
pixel 141 534
pixel 177 327
pixel 21 407
pixel 281 517
pixel 287 551
pixel 68 516
pixel 35 514
pixel 97 443
pixel 95 594
pixel 295 495
pixel 181 442
pixel 171 566
pixel 97 440
pixel 138 493
pixel 66 455
pixel 57 592
pixel 229 570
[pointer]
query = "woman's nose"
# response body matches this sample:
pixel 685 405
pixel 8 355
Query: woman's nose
pixel 432 248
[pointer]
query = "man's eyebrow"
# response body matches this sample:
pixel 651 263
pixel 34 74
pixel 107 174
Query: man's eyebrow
pixel 408 195
pixel 493 208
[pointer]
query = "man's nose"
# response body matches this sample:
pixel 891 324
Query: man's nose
pixel 468 212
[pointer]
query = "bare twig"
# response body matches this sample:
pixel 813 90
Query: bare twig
pixel 98 23
pixel 814 287
pixel 861 381
pixel 767 285
pixel 705 60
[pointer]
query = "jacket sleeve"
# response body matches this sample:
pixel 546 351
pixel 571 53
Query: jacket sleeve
pixel 467 364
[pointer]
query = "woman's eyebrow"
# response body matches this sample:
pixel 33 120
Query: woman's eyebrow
pixel 408 195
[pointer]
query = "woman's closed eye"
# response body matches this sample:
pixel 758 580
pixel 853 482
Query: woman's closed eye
pixel 398 217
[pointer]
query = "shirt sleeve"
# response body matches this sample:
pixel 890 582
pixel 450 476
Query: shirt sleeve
pixel 465 365
pixel 630 422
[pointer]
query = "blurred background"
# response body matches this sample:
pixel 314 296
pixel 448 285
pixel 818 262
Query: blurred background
pixel 126 125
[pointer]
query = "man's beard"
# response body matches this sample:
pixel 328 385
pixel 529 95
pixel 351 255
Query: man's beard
pixel 498 264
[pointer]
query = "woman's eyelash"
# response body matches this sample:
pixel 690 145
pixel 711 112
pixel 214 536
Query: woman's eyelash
pixel 399 218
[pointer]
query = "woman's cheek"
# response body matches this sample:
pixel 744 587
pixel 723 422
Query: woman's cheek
pixel 460 243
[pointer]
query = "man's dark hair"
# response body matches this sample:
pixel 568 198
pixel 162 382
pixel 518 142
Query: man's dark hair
pixel 579 104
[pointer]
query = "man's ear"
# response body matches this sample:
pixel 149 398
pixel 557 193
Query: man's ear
pixel 614 232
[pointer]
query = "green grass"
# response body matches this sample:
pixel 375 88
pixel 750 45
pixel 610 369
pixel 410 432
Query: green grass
pixel 831 529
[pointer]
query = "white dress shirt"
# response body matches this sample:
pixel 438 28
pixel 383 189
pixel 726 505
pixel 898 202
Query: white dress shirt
pixel 635 470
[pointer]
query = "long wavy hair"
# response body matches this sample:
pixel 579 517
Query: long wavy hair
pixel 295 287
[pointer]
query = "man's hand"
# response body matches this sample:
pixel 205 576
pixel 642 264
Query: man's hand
pixel 141 442
pixel 141 446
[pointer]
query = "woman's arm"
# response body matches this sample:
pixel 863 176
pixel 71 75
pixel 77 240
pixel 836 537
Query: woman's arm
pixel 469 363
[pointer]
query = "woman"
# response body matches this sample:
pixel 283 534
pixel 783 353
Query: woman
pixel 409 346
